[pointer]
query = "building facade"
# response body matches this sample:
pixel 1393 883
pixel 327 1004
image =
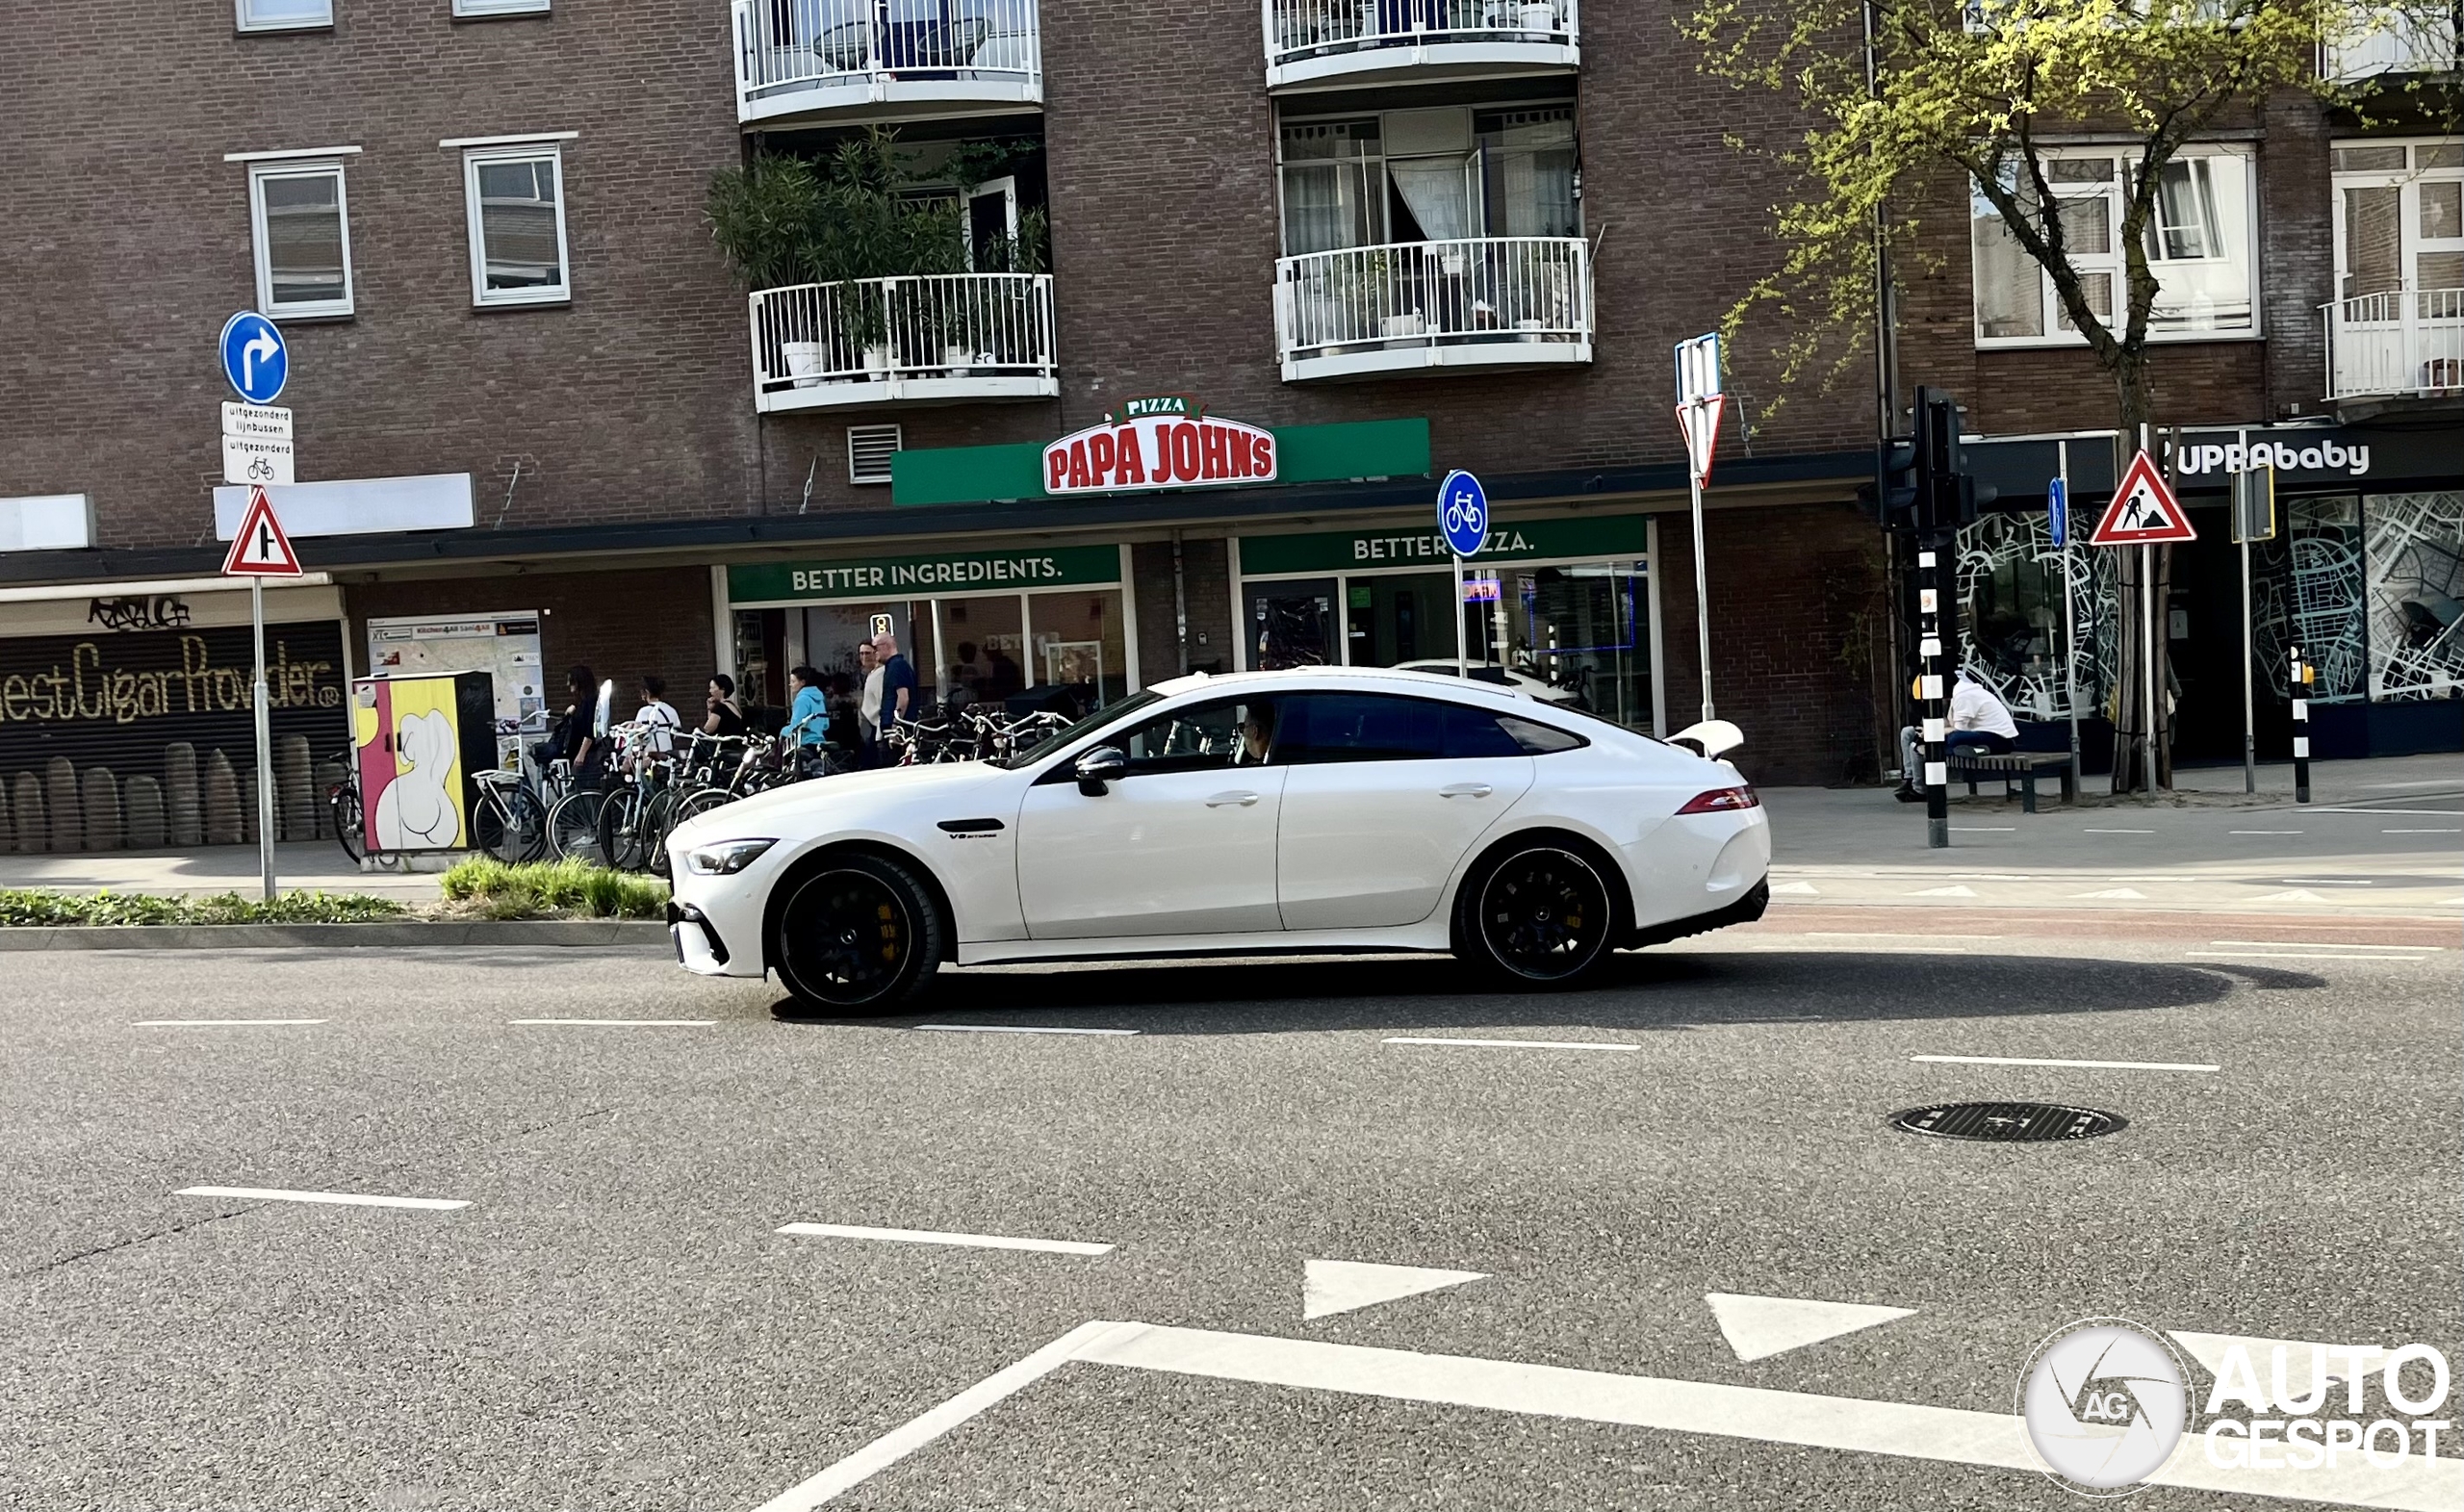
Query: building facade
pixel 1272 269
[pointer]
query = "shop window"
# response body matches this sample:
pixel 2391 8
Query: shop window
pixel 2010 634
pixel 2313 601
pixel 2413 560
pixel 2198 243
pixel 303 232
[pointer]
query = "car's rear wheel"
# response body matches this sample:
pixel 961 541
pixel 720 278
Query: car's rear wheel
pixel 1537 916
pixel 862 934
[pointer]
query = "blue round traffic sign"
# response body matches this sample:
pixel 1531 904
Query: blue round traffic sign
pixel 1462 513
pixel 254 358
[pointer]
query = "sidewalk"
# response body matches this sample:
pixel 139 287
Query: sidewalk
pixel 319 866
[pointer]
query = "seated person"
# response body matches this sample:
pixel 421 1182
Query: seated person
pixel 1977 723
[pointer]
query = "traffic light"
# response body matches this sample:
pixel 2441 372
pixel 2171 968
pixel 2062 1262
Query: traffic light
pixel 1947 497
pixel 1894 490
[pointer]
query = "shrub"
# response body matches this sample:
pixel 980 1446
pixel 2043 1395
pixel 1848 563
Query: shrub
pixel 570 886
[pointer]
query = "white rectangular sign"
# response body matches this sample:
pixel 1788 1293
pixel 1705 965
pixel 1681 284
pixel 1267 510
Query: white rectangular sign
pixel 357 506
pixel 256 459
pixel 1698 369
pixel 259 422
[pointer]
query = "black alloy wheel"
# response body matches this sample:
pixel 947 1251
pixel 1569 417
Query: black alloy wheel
pixel 862 936
pixel 1542 916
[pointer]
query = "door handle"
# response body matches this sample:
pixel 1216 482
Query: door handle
pixel 1224 799
pixel 1466 790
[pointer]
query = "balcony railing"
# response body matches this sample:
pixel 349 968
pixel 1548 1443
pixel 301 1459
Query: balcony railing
pixel 1316 43
pixel 1484 301
pixel 2398 43
pixel 941 338
pixel 849 59
pixel 2404 342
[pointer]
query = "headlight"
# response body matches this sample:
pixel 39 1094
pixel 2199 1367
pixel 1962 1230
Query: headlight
pixel 725 859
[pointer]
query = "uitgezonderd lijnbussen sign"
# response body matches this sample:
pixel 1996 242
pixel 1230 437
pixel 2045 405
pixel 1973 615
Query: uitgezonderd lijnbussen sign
pixel 1166 442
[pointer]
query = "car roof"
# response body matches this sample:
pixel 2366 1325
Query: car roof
pixel 1391 678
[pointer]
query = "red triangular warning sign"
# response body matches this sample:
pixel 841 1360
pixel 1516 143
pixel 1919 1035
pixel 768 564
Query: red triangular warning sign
pixel 2143 512
pixel 261 549
pixel 1701 423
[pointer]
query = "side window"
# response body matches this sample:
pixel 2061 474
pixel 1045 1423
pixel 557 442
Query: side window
pixel 514 199
pixel 302 229
pixel 1381 726
pixel 1205 738
pixel 1539 740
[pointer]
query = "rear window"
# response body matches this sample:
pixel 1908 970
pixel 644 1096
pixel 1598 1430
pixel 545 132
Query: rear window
pixel 1381 726
pixel 1535 739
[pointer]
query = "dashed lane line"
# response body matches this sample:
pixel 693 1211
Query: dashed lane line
pixel 343 1199
pixel 925 1236
pixel 2315 945
pixel 2091 1066
pixel 1513 1044
pixel 220 1023
pixel 2292 955
pixel 621 1023
pixel 1017 1028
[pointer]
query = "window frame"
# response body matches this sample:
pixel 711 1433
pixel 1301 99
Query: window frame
pixel 2114 262
pixel 242 20
pixel 2408 182
pixel 492 9
pixel 342 309
pixel 1377 185
pixel 533 150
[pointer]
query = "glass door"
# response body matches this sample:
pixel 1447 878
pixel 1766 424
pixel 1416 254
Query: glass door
pixel 1292 623
pixel 1393 621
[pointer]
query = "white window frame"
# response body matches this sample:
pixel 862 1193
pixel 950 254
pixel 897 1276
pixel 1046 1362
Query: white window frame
pixel 489 10
pixel 528 150
pixel 299 167
pixel 240 18
pixel 2409 179
pixel 2113 262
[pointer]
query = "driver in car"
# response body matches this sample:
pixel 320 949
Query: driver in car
pixel 1257 732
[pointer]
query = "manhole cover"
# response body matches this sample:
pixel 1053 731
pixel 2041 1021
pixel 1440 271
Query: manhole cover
pixel 2007 1123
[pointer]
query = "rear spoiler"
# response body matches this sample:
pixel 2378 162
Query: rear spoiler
pixel 1710 740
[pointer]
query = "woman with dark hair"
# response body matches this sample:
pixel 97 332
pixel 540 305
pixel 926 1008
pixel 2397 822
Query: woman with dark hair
pixel 724 716
pixel 582 744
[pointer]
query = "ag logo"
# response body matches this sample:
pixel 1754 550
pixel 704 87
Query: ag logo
pixel 2105 1404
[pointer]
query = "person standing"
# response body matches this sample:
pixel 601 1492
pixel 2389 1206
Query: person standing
pixel 868 705
pixel 807 715
pixel 659 715
pixel 585 743
pixel 720 713
pixel 898 683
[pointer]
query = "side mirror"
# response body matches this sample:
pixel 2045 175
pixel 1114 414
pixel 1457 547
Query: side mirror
pixel 1098 765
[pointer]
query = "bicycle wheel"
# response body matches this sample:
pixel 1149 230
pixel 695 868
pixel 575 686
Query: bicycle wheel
pixel 695 805
pixel 531 821
pixel 493 835
pixel 620 830
pixel 345 804
pixel 658 816
pixel 573 828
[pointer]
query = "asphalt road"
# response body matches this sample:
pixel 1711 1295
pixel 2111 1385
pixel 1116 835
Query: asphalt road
pixel 614 1323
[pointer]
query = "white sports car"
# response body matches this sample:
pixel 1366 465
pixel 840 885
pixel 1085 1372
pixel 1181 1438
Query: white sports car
pixel 1322 809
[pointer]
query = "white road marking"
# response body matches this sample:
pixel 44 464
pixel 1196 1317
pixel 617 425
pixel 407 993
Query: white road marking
pixel 2300 1358
pixel 1954 890
pixel 212 1023
pixel 1014 1029
pixel 2319 944
pixel 1906 1430
pixel 2396 813
pixel 1889 934
pixel 1884 950
pixel 1984 829
pixel 1513 1044
pixel 2421 831
pixel 2263 831
pixel 2289 955
pixel 2296 895
pixel 2094 831
pixel 1758 1327
pixel 1329 1286
pixel 623 1023
pixel 1796 889
pixel 904 1440
pixel 2093 1066
pixel 921 1236
pixel 345 1199
pixel 2112 892
pixel 2326 882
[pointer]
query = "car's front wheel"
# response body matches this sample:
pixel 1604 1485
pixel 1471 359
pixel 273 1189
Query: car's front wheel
pixel 861 935
pixel 1536 915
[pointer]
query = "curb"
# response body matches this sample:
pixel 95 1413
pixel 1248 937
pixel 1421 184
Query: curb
pixel 459 933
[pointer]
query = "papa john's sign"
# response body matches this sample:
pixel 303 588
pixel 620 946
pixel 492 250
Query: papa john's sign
pixel 1166 442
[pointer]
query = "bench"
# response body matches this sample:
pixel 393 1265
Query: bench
pixel 2025 765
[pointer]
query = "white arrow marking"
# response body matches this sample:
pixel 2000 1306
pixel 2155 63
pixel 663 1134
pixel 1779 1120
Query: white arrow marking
pixel 1757 1327
pixel 1796 889
pixel 1954 890
pixel 2112 892
pixel 260 346
pixel 2296 895
pixel 1338 1286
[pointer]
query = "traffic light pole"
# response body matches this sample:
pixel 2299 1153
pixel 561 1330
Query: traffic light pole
pixel 1929 687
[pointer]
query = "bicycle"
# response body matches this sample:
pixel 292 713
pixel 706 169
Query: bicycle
pixel 341 801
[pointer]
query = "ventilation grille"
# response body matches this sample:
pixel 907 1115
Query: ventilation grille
pixel 869 449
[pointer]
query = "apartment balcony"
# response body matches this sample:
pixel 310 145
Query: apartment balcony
pixel 2394 42
pixel 1325 45
pixel 1417 306
pixel 2403 344
pixel 933 339
pixel 834 61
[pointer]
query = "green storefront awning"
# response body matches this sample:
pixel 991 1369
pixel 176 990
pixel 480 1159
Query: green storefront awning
pixel 1619 535
pixel 1308 455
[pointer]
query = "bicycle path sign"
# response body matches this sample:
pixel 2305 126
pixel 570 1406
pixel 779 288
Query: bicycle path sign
pixel 1462 513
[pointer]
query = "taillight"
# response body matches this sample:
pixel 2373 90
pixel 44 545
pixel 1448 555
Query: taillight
pixel 1723 800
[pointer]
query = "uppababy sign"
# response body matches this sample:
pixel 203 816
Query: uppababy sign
pixel 1166 442
pixel 2289 452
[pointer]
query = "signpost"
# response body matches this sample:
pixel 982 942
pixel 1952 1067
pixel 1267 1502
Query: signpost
pixel 2253 520
pixel 2057 498
pixel 1699 405
pixel 256 450
pixel 1463 519
pixel 2144 513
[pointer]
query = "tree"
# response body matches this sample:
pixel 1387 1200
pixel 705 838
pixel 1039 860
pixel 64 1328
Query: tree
pixel 1975 90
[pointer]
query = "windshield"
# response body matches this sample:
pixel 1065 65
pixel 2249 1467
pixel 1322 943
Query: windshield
pixel 1069 733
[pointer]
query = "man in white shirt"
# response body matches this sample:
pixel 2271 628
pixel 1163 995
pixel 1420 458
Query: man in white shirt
pixel 868 705
pixel 659 715
pixel 1976 720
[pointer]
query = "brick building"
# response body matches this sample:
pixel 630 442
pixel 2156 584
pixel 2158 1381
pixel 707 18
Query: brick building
pixel 533 394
